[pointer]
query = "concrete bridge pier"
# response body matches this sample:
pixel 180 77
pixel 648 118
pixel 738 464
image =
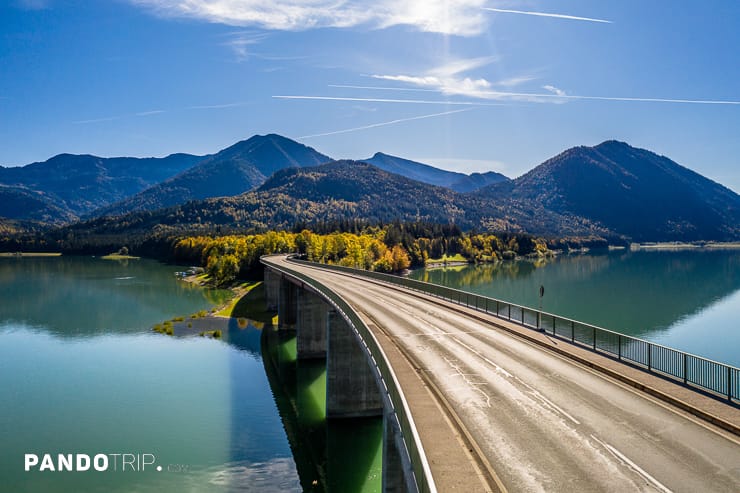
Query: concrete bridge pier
pixel 393 465
pixel 351 388
pixel 287 304
pixel 272 289
pixel 311 326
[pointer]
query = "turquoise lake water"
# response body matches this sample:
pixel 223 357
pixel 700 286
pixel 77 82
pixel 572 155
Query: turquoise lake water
pixel 688 300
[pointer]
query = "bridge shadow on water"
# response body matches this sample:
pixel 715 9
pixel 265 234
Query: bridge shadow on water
pixel 337 455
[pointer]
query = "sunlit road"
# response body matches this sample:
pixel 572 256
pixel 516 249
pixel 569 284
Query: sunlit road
pixel 543 422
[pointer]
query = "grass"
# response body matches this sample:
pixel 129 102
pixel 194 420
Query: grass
pixel 29 254
pixel 249 304
pixel 116 256
pixel 200 314
pixel 165 328
pixel 215 334
pixel 447 258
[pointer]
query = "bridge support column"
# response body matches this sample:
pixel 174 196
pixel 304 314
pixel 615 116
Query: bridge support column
pixel 287 304
pixel 393 477
pixel 311 327
pixel 272 289
pixel 351 389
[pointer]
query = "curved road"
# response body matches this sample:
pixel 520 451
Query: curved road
pixel 545 423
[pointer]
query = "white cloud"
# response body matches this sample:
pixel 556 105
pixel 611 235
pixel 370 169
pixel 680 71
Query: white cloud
pixel 459 17
pixel 554 90
pixel 514 81
pixel 460 65
pixel 447 78
pixel 547 14
pixel 240 42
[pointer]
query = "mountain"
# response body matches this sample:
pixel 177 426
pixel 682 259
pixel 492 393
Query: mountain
pixel 630 192
pixel 340 190
pixel 476 181
pixel 232 171
pixel 19 203
pixel 68 186
pixel 459 182
pixel 611 190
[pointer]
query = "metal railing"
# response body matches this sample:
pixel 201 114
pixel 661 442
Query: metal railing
pixel 422 477
pixel 717 378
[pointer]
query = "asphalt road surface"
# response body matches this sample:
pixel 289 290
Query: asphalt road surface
pixel 546 423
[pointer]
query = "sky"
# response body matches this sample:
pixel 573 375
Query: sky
pixel 466 85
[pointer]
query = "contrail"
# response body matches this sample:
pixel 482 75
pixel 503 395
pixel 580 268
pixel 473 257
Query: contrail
pixel 496 94
pixel 379 100
pixel 413 89
pixel 392 122
pixel 544 14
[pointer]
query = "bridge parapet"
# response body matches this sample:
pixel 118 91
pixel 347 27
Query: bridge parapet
pixel 360 381
pixel 702 374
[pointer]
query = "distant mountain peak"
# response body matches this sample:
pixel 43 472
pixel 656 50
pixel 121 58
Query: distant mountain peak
pixel 630 191
pixel 232 171
pixel 460 182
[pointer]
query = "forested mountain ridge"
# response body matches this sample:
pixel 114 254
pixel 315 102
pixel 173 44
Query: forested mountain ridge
pixel 232 171
pixel 68 186
pixel 629 191
pixel 612 190
pixel 335 192
pixel 459 182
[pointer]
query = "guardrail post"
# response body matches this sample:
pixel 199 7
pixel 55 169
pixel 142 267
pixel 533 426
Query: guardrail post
pixel 594 332
pixel 572 331
pixel 685 368
pixel 729 384
pixel 553 325
pixel 509 312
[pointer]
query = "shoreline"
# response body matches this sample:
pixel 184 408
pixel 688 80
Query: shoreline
pixel 679 245
pixel 30 254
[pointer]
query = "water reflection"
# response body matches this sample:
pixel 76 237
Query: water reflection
pixel 331 455
pixel 83 296
pixel 646 293
pixel 81 372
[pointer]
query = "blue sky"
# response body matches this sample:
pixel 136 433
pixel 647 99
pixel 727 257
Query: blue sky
pixel 469 85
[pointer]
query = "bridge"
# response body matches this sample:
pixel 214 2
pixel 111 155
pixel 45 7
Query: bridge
pixel 474 399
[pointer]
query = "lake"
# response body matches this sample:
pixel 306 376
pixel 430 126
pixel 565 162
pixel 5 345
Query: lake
pixel 81 372
pixel 686 299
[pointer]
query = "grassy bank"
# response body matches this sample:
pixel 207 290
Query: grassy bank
pixel 117 256
pixel 29 254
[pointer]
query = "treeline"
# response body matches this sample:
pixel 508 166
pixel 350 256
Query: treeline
pixel 389 248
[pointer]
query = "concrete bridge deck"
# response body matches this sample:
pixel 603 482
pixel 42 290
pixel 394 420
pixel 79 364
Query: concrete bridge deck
pixel 495 410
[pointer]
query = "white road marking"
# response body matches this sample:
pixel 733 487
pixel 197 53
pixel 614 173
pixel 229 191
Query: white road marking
pixel 619 455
